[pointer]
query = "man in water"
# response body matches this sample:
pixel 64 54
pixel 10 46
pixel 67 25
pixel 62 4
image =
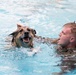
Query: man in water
pixel 67 41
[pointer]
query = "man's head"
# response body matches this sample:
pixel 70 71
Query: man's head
pixel 67 37
pixel 23 36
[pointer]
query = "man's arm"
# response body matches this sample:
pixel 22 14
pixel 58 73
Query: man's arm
pixel 46 40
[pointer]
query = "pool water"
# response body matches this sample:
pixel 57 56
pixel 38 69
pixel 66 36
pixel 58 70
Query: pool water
pixel 47 17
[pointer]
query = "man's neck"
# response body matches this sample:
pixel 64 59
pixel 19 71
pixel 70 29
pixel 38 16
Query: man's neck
pixel 71 46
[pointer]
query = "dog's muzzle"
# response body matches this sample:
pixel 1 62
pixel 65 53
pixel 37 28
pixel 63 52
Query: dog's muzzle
pixel 26 37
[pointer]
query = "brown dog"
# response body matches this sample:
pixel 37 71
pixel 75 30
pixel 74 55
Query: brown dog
pixel 23 36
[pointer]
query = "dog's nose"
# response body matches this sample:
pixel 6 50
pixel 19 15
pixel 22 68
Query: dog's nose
pixel 26 33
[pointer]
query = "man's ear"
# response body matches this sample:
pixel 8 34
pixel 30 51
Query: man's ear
pixel 72 39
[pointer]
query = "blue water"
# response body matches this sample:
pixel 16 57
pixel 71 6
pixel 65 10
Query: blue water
pixel 47 17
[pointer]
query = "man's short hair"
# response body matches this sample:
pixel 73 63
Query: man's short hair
pixel 72 25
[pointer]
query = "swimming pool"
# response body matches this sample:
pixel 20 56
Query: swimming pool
pixel 47 17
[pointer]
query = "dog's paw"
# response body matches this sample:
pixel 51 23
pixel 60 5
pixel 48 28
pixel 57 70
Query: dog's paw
pixel 8 39
pixel 33 51
pixel 8 47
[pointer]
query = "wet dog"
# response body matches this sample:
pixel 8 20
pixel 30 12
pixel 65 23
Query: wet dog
pixel 23 36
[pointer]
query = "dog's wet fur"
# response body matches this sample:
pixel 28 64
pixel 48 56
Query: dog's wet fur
pixel 23 36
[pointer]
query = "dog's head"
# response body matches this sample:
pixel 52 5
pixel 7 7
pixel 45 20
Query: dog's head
pixel 23 36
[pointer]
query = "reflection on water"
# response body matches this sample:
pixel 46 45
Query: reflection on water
pixel 68 64
pixel 47 18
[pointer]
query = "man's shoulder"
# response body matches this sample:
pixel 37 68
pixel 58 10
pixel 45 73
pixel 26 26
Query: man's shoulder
pixel 66 51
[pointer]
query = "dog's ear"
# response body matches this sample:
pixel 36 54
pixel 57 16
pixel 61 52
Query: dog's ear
pixel 34 31
pixel 14 33
pixel 19 26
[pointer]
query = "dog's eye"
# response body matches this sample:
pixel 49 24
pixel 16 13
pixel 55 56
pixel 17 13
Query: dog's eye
pixel 21 30
pixel 28 29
